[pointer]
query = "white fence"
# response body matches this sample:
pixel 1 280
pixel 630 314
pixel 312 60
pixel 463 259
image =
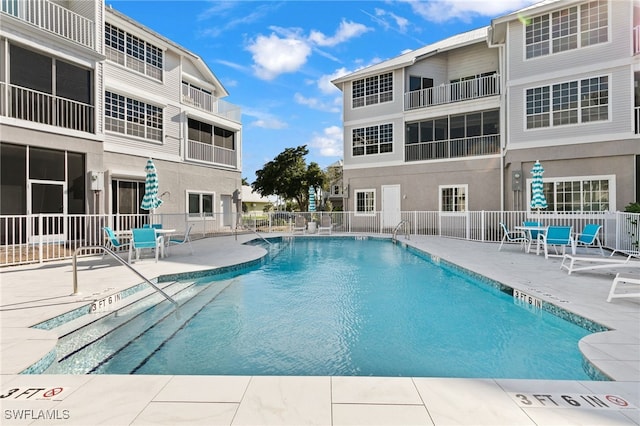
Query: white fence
pixel 38 238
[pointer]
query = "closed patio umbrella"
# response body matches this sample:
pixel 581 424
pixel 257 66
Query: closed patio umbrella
pixel 150 201
pixel 538 200
pixel 312 199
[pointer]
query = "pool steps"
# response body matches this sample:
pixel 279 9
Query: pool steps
pixel 142 311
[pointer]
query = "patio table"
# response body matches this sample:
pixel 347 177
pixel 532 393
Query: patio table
pixel 528 230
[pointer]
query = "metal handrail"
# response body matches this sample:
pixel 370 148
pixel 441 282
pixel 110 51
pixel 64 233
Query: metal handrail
pixel 246 228
pixel 406 231
pixel 119 259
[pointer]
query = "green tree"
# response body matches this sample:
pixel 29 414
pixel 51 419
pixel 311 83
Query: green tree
pixel 289 177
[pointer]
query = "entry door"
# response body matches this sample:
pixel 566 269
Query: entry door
pixel 227 215
pixel 48 198
pixel 390 206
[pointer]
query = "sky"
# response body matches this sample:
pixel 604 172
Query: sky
pixel 276 59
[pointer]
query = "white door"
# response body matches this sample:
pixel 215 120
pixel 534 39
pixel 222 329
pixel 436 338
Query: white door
pixel 390 206
pixel 47 198
pixel 227 216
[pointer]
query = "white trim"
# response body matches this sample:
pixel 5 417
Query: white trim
pixel 612 190
pixel 201 214
pixel 466 198
pixel 355 202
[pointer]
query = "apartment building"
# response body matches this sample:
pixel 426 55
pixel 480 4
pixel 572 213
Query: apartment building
pixel 457 125
pixel 87 95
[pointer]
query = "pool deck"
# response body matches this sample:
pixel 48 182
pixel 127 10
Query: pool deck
pixel 34 293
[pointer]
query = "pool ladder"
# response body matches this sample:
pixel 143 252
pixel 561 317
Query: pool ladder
pixel 403 224
pixel 119 259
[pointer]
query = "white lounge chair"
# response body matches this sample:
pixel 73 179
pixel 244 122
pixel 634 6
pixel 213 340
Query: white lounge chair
pixel 623 279
pixel 325 225
pixel 300 224
pixel 574 263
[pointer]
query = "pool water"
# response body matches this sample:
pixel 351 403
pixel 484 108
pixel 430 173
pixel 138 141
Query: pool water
pixel 337 306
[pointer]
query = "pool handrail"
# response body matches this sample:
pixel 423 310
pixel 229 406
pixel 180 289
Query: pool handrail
pixel 406 225
pixel 119 259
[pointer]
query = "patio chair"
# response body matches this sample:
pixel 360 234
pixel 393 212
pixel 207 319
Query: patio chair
pixel 300 224
pixel 513 237
pixel 185 240
pixel 533 233
pixel 623 279
pixel 152 225
pixel 325 224
pixel 589 237
pixel 145 238
pixel 557 236
pixel 112 242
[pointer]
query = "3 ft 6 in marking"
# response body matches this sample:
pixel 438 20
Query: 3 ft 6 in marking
pixel 537 400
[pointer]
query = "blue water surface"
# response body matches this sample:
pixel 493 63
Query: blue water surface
pixel 348 307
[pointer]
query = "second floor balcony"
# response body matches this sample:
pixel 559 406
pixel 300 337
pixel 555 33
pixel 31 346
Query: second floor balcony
pixel 211 154
pixel 44 108
pixel 459 91
pixel 52 17
pixel 453 148
pixel 207 102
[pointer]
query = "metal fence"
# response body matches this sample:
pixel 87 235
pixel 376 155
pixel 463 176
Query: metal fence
pixel 38 238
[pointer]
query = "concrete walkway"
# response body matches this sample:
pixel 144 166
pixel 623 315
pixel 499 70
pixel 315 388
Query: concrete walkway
pixel 31 294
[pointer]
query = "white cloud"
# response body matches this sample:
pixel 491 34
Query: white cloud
pixel 324 82
pixel 273 55
pixel 263 119
pixel 464 10
pixel 329 144
pixel 315 103
pixel 402 24
pixel 346 31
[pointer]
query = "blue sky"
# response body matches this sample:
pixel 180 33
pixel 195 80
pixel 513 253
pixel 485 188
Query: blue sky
pixel 277 58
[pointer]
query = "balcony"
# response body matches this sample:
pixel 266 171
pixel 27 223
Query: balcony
pixel 209 103
pixel 210 154
pixel 453 148
pixel 38 107
pixel 453 92
pixel 53 18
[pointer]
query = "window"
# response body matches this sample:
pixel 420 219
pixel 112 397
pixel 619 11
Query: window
pixel 567 29
pixel 562 101
pixel 126 196
pixel 365 202
pixel 133 52
pixel 372 90
pixel 132 117
pixel 372 140
pixel 579 194
pixel 453 198
pixel 200 204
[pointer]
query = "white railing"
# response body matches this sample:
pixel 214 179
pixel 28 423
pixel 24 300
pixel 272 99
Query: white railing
pixel 453 92
pixel 453 148
pixel 54 18
pixel 211 154
pixel 207 102
pixel 38 238
pixel 26 104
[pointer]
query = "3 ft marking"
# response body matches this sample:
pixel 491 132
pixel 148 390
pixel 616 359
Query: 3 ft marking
pixel 590 401
pixel 523 298
pixel 29 394
pixel 106 303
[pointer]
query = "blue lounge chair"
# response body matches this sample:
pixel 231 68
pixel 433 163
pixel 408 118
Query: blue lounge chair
pixel 145 238
pixel 557 236
pixel 112 242
pixel 513 237
pixel 185 240
pixel 589 237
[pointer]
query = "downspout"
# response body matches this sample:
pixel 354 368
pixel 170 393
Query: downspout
pixel 503 111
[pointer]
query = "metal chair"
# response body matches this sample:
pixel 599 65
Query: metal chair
pixel 185 240
pixel 557 236
pixel 112 242
pixel 589 237
pixel 145 238
pixel 513 237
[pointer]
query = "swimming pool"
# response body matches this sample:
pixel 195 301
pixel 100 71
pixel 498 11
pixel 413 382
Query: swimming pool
pixel 335 306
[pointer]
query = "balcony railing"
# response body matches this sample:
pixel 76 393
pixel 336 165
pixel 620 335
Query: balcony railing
pixel 208 102
pixel 26 104
pixel 636 40
pixel 453 92
pixel 54 18
pixel 211 154
pixel 453 148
